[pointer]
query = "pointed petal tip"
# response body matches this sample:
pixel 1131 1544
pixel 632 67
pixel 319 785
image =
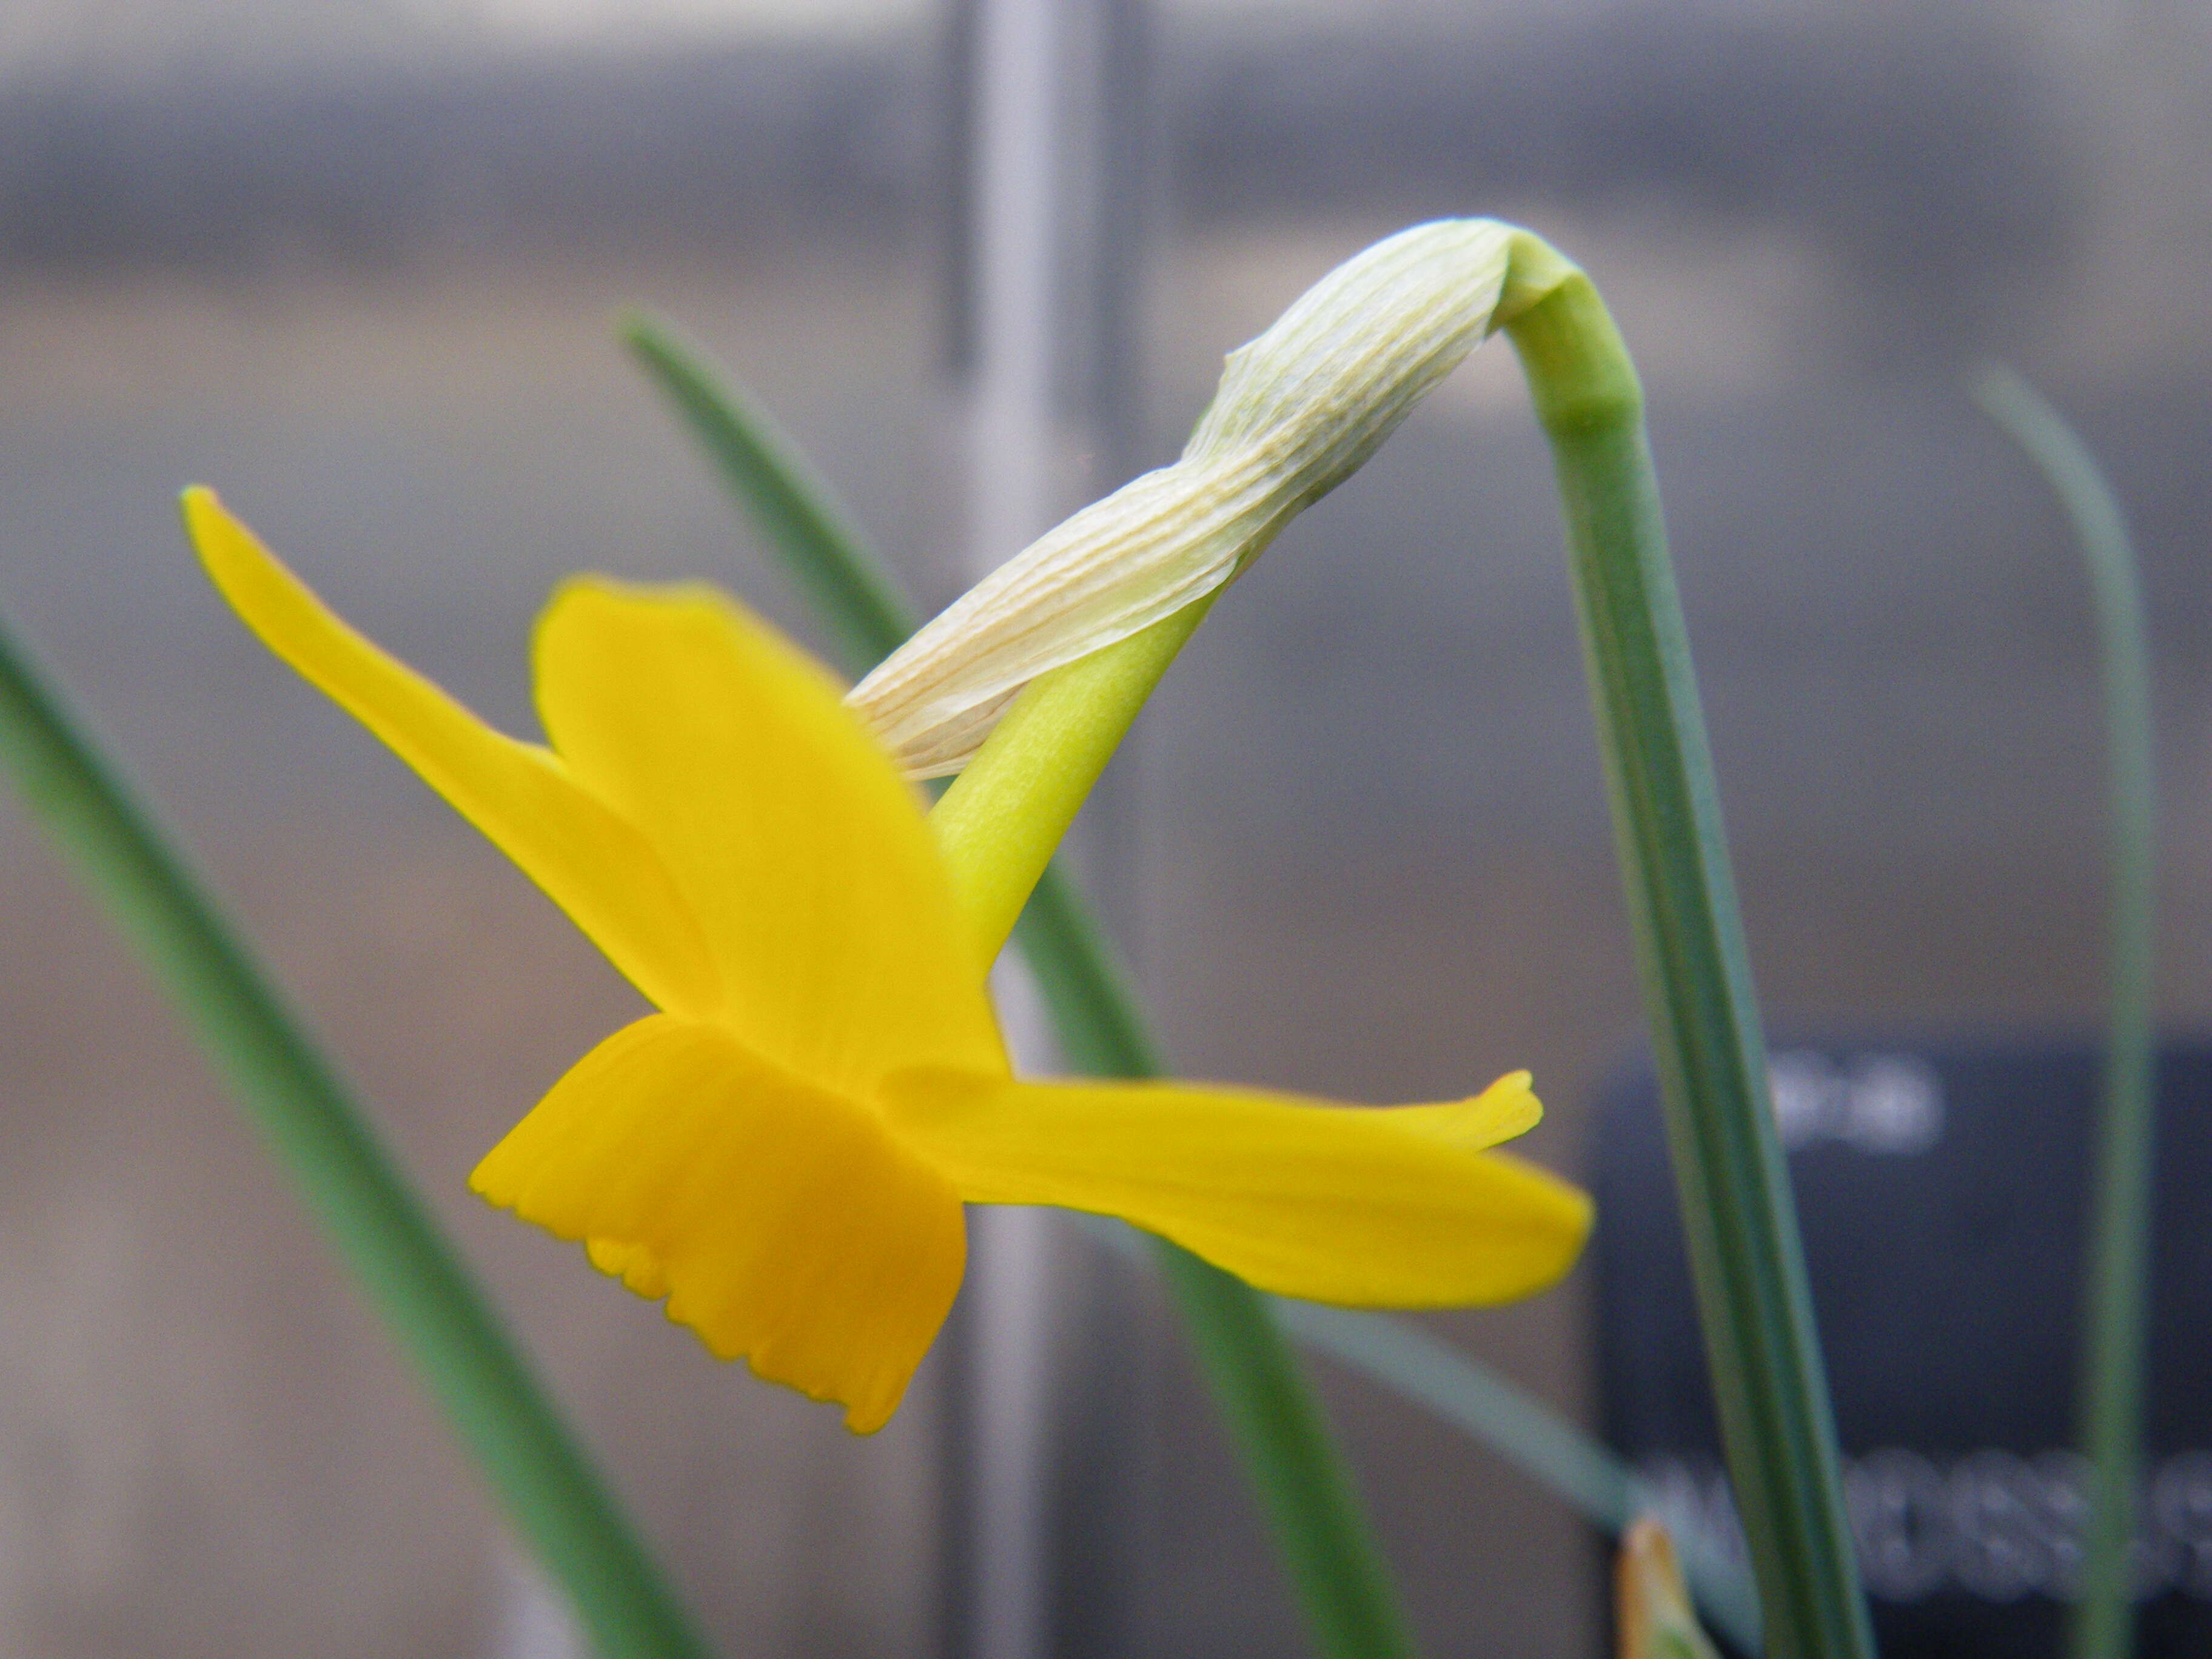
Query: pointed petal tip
pixel 493 1179
pixel 1397 1207
pixel 1550 1224
pixel 207 523
pixel 223 541
pixel 1515 1094
pixel 1557 1217
pixel 1576 1213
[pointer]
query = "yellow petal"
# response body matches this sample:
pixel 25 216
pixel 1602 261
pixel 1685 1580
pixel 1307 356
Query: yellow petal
pixel 783 1223
pixel 1507 1108
pixel 802 852
pixel 592 864
pixel 635 1265
pixel 1373 1207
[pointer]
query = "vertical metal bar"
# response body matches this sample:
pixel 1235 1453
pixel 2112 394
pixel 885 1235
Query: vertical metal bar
pixel 1017 144
pixel 1017 212
pixel 1046 273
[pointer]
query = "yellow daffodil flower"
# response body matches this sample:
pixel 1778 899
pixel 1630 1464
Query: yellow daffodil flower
pixel 782 1151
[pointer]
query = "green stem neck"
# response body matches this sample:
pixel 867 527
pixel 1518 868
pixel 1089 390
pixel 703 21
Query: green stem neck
pixel 1738 1217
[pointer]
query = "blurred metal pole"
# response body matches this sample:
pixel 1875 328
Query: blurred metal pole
pixel 1017 223
pixel 1043 321
pixel 1019 101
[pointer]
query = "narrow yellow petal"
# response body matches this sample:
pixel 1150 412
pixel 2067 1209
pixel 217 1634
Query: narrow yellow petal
pixel 1369 1207
pixel 791 836
pixel 592 864
pixel 783 1223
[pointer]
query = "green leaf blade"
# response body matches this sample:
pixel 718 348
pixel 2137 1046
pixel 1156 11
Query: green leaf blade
pixel 382 1231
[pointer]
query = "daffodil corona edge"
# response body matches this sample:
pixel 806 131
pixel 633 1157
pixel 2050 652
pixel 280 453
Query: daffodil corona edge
pixel 782 1151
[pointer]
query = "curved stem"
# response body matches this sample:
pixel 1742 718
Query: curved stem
pixel 1738 1217
pixel 501 1412
pixel 2110 1401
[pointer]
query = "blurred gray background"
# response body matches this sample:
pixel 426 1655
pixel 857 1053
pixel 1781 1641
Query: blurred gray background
pixel 355 262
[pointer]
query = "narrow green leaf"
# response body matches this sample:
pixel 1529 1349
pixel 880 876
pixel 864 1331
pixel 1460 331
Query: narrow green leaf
pixel 1424 1367
pixel 498 1409
pixel 853 591
pixel 2118 1280
pixel 1738 1217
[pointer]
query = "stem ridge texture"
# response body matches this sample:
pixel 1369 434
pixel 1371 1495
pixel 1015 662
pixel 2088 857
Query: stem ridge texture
pixel 1739 1219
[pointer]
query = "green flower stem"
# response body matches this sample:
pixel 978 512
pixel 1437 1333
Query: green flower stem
pixel 1262 1391
pixel 2118 1279
pixel 556 1499
pixel 1737 1212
